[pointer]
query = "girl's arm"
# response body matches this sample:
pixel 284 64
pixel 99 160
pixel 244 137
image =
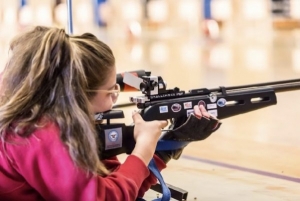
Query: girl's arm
pixel 44 163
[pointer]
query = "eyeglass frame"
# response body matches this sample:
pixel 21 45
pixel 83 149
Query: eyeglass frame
pixel 111 92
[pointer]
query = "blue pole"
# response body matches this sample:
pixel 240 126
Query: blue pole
pixel 70 19
pixel 97 18
pixel 23 3
pixel 207 9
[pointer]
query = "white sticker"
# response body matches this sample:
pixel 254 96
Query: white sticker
pixel 163 109
pixel 211 106
pixel 187 105
pixel 213 112
pixel 189 112
pixel 212 97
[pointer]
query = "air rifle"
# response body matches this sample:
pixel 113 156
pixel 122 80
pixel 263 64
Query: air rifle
pixel 159 103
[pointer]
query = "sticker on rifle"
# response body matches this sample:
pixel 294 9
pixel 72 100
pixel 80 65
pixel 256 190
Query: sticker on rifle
pixel 201 103
pixel 187 105
pixel 176 107
pixel 211 106
pixel 163 109
pixel 113 138
pixel 221 102
pixel 213 112
pixel 189 112
pixel 212 97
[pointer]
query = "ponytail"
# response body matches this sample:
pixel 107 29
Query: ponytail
pixel 48 76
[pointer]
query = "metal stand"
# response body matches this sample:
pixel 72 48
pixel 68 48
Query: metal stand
pixel 176 193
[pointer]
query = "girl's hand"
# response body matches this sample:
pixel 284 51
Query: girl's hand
pixel 200 111
pixel 146 135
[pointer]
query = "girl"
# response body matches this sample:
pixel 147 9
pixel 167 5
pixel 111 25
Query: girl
pixel 51 88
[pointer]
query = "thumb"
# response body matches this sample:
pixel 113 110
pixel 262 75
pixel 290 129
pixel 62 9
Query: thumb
pixel 136 117
pixel 163 123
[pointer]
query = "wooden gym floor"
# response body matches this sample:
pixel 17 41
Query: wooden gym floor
pixel 254 156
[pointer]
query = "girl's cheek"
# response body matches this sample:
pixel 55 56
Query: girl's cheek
pixel 109 105
pixel 105 105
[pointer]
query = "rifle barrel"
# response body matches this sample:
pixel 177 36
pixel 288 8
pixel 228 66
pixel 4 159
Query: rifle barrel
pixel 286 87
pixel 278 86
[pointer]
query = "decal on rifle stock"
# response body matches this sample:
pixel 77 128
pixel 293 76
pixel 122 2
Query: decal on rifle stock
pixel 221 102
pixel 201 102
pixel 213 113
pixel 113 138
pixel 176 107
pixel 211 106
pixel 212 97
pixel 163 109
pixel 189 112
pixel 187 105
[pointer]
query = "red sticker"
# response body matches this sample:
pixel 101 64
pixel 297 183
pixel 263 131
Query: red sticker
pixel 202 103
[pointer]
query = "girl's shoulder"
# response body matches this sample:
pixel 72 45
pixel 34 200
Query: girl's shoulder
pixel 46 132
pixel 41 143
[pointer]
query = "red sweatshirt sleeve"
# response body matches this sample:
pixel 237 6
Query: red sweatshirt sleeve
pixel 111 163
pixel 43 162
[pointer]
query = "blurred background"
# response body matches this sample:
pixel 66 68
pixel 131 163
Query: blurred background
pixel 194 44
pixel 248 36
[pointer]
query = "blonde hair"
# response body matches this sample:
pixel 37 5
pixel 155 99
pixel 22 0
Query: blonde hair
pixel 48 75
